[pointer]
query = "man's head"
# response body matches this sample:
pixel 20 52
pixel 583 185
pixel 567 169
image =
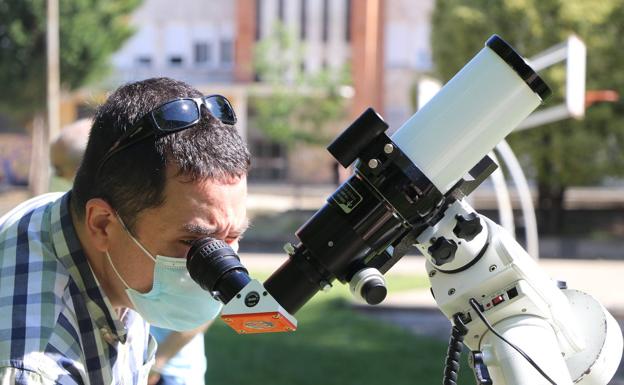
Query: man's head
pixel 167 190
pixel 134 179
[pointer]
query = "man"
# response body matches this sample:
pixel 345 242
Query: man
pixel 80 273
pixel 180 358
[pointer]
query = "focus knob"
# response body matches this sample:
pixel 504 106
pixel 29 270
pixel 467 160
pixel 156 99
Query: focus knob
pixel 369 285
pixel 442 251
pixel 468 226
pixel 374 291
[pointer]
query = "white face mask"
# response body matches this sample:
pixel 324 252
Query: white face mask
pixel 175 302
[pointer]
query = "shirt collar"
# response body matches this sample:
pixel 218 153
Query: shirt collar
pixel 70 253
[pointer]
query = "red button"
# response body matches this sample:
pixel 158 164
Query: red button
pixel 497 300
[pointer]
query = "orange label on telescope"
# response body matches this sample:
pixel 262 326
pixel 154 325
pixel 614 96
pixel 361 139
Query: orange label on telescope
pixel 271 322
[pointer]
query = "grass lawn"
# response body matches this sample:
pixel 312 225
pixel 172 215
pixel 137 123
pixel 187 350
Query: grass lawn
pixel 401 282
pixel 333 345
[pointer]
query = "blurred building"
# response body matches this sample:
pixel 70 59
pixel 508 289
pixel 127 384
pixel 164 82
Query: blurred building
pixel 324 29
pixel 408 57
pixel 192 41
pixel 210 44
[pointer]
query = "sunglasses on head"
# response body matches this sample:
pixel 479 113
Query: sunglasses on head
pixel 172 116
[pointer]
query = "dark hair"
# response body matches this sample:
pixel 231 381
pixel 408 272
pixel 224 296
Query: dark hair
pixel 134 179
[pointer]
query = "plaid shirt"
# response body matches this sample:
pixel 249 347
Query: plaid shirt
pixel 56 324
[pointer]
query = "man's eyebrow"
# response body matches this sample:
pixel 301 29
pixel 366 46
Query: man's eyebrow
pixel 195 229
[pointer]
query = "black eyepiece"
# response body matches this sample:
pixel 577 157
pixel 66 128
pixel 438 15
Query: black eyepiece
pixel 216 267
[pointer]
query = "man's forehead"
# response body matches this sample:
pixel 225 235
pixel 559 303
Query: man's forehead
pixel 204 206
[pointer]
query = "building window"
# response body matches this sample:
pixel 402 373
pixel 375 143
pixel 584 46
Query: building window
pixel 144 61
pixel 202 53
pixel 348 20
pixel 304 19
pixel 270 160
pixel 325 35
pixel 423 60
pixel 280 10
pixel 227 52
pixel 176 60
pixel 258 19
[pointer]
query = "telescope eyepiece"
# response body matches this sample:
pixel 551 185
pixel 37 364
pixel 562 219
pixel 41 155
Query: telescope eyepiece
pixel 215 266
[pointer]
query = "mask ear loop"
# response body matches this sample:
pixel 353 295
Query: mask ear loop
pixel 123 225
pixel 115 270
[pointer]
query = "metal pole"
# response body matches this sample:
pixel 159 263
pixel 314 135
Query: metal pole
pixel 505 210
pixel 54 81
pixel 53 91
pixel 524 193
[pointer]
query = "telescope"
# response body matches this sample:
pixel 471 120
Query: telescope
pixel 407 190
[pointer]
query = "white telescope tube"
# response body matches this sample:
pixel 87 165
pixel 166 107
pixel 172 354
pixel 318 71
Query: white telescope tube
pixel 474 111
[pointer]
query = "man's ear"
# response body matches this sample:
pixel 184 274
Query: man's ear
pixel 100 220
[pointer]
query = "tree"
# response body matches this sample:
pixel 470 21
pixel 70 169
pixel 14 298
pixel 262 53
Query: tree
pixel 90 31
pixel 566 153
pixel 299 106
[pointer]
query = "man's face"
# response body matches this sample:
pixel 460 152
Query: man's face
pixel 191 210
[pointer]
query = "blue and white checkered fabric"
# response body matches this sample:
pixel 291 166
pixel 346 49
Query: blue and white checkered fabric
pixel 56 324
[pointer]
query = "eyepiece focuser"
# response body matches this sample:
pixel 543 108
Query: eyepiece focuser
pixel 248 306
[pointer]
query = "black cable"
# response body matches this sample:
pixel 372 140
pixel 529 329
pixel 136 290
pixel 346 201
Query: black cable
pixel 475 306
pixel 456 344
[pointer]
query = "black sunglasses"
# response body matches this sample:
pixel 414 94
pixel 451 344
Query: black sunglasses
pixel 172 116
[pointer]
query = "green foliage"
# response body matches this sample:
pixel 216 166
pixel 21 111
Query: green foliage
pixel 90 31
pixel 298 107
pixel 565 153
